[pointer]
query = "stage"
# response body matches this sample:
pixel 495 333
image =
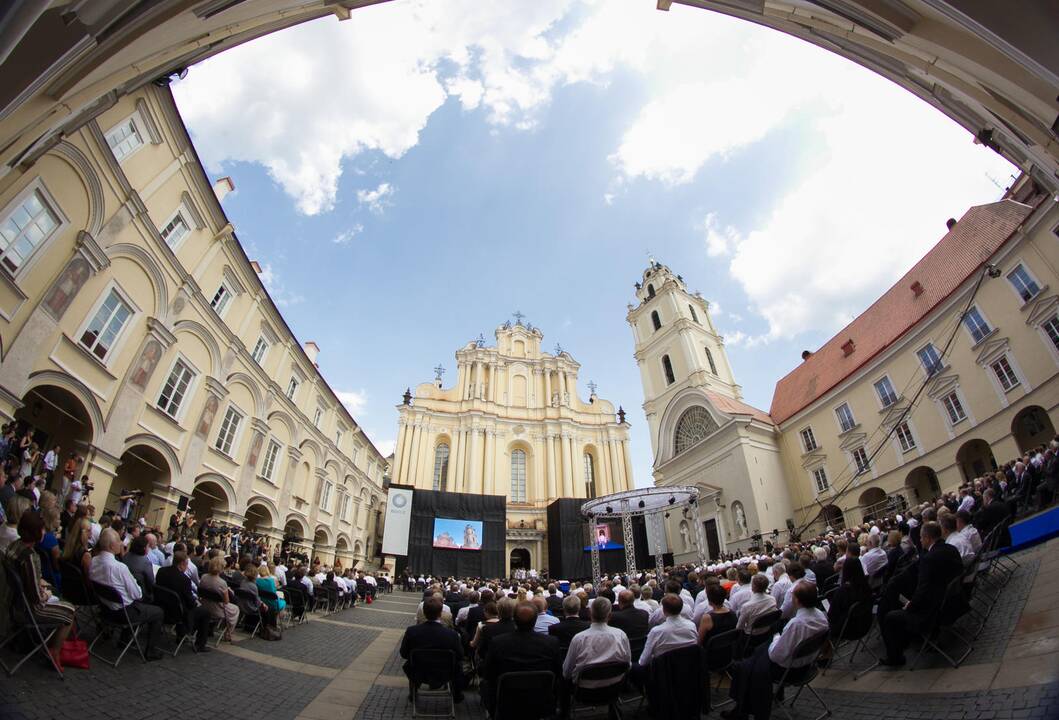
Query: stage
pixel 1034 530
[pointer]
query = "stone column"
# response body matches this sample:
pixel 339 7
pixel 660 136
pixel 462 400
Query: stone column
pixel 461 463
pixel 454 451
pixel 549 464
pixel 547 388
pixel 565 455
pixel 489 487
pixel 101 468
pixel 398 453
pixel 412 476
pixel 475 459
pixel 626 466
pixel 424 463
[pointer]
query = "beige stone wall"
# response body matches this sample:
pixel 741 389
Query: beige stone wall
pixel 324 482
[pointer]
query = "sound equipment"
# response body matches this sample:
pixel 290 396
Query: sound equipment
pixel 182 504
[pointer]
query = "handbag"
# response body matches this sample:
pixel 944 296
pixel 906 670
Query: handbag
pixel 74 653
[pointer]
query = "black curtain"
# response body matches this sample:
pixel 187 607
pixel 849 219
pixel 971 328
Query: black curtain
pixel 567 559
pixel 424 558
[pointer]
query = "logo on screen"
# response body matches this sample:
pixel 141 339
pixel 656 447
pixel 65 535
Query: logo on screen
pixel 399 501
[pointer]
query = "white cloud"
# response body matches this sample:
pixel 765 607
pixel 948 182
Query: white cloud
pixel 718 240
pixel 276 289
pixel 385 447
pixel 715 310
pixel 354 400
pixel 346 236
pixel 376 199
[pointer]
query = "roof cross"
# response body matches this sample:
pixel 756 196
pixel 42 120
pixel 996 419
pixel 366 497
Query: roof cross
pixel 518 317
pixel 592 387
pixel 438 372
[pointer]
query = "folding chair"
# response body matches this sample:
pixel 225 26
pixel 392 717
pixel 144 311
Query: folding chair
pixel 852 631
pixel 76 591
pixel 718 656
pixel 253 616
pixel 217 625
pixel 115 620
pixel 437 670
pixel 607 696
pixel 760 631
pixel 674 686
pixel 801 676
pixel 268 595
pixel 525 695
pixel 39 632
pixel 297 604
pixel 943 619
pixel 175 616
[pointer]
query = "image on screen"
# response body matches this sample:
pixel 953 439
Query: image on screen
pixel 457 534
pixel 603 538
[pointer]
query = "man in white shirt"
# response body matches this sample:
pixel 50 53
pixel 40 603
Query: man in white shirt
pixel 600 643
pixel 798 576
pixel 473 601
pixel 280 574
pixel 446 614
pixel 675 632
pixel 740 593
pixel 759 603
pixel 638 601
pixel 686 609
pixel 966 530
pixel 958 541
pixel 51 461
pixel 544 620
pixel 966 501
pixel 782 583
pixel 874 559
pixel 753 677
pixel 107 570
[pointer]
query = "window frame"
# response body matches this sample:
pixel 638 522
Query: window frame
pixel 980 329
pixel 906 440
pixel 709 359
pixel 1050 330
pixel 268 466
pixel 1010 371
pixel 518 489
pixel 948 406
pixel 183 213
pixel 291 392
pixel 439 473
pixel 122 335
pixel 318 416
pixel 816 474
pixel 233 443
pixel 668 373
pixel 262 339
pixel 189 390
pixel 893 391
pixel 938 362
pixel 842 428
pixel 1030 276
pixel 806 434
pixel 48 200
pixel 228 298
pixel 862 468
pixel 139 127
pixel 694 315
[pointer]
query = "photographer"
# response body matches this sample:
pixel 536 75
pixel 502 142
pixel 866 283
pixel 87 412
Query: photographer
pixel 127 500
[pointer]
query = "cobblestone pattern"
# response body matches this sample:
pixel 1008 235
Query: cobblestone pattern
pixel 317 643
pixel 1040 702
pixel 394 665
pixel 380 619
pixel 189 686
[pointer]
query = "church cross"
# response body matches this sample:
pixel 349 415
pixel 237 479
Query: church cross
pixel 592 387
pixel 518 317
pixel 438 372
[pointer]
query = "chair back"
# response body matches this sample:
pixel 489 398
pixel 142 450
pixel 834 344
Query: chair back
pixel 806 650
pixel 675 684
pixel 170 603
pixel 611 677
pixel 267 595
pixel 74 588
pixel 765 622
pixel 433 666
pixel 106 592
pixel 636 646
pixel 249 599
pixel 210 594
pixel 525 695
pixel 719 650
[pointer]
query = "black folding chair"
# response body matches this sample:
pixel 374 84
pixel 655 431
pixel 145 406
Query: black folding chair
pixel 674 686
pixel 613 674
pixel 942 620
pixel 267 596
pixel 115 620
pixel 855 628
pixel 437 670
pixel 174 616
pixel 39 632
pixel 251 617
pixel 297 604
pixel 525 695
pixel 77 592
pixel 801 676
pixel 718 656
pixel 759 632
pixel 217 625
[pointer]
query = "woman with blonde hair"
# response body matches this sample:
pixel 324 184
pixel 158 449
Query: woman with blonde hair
pixel 220 607
pixel 76 550
pixel 48 547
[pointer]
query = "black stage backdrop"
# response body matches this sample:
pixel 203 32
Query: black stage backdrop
pixel 567 557
pixel 424 558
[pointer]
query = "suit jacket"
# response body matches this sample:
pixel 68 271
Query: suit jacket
pixel 491 632
pixel 474 616
pixel 555 605
pixel 432 636
pixel 172 579
pixel 937 568
pixel 143 571
pixel 518 651
pixel 633 621
pixel 824 570
pixel 566 628
pixel 989 517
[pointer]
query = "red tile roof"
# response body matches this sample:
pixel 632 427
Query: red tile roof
pixel 731 406
pixel 973 240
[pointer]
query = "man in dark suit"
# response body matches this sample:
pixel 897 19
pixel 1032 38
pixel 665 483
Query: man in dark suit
pixel 432 635
pixel 993 513
pixel 570 624
pixel 490 631
pixel 174 577
pixel 518 651
pixel 554 600
pixel 632 620
pixel 476 613
pixel 939 564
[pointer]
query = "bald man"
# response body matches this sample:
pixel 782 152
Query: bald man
pixel 107 570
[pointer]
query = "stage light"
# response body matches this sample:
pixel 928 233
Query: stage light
pixel 642 504
pixel 672 499
pixel 667 516
pixel 609 509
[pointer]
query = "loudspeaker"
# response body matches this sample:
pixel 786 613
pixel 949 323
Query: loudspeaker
pixel 183 504
pixel 790 524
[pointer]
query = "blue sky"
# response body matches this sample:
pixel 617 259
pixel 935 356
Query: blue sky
pixel 411 177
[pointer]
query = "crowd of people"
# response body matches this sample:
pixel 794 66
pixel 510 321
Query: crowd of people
pixel 894 571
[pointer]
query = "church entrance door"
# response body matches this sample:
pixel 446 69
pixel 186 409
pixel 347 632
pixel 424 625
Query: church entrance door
pixel 520 559
pixel 713 543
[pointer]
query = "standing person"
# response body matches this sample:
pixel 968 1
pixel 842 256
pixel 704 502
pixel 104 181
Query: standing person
pixel 69 473
pixel 51 462
pixel 30 457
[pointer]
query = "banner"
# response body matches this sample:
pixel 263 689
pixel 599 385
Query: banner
pixel 656 521
pixel 398 521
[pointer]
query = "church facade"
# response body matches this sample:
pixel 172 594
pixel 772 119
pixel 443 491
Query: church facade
pixel 513 424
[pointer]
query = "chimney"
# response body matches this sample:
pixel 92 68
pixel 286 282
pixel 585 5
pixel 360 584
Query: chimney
pixel 806 354
pixel 848 347
pixel 256 265
pixel 311 350
pixel 950 223
pixel 222 187
pixel 917 288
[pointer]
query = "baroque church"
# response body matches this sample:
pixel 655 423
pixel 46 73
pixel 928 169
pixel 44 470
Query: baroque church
pixel 513 424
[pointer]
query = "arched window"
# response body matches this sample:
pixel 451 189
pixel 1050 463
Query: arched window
pixel 693 315
pixel 650 291
pixel 441 467
pixel 667 368
pixel 709 359
pixel 655 320
pixel 693 426
pixel 518 476
pixel 590 477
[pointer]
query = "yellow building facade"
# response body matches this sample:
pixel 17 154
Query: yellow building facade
pixel 136 332
pixel 513 424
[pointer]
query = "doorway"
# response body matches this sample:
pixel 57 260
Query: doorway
pixel 713 542
pixel 520 559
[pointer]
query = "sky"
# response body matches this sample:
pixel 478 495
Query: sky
pixel 411 177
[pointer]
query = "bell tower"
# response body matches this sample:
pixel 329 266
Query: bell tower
pixel 677 345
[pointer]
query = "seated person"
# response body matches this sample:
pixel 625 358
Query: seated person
pixel 446 614
pixel 630 619
pixel 223 609
pixel 676 631
pixel 522 650
pixel 570 624
pixel 687 605
pixel 759 603
pixel 600 643
pixel 544 620
pixel 106 569
pixel 489 631
pixel 266 581
pixel 718 618
pixel 174 577
pixel 431 634
pixel 140 566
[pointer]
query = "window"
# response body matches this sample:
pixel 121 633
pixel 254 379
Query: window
pixel 709 359
pixel 694 316
pixel 292 387
pixel 343 506
pixel 220 300
pixel 175 388
pixel 904 436
pixel 667 368
pixel 260 350
pixel 820 476
pixel 860 457
pixel 106 325
pixel 1051 329
pixel 230 424
pixel 1005 374
pixel 125 139
pixel 953 407
pixel 976 325
pixel 325 495
pixel 29 223
pixel 885 389
pixel 175 231
pixel 845 417
pixel 317 416
pixel 930 359
pixel 518 476
pixel 1024 284
pixel 441 467
pixel 694 425
pixel 338 437
pixel 590 477
pixel 650 291
pixel 268 467
pixel 808 439
pixel 655 320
